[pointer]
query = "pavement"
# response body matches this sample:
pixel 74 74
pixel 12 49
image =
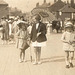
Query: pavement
pixel 53 60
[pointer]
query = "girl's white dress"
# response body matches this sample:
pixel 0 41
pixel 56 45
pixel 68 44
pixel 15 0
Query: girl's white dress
pixel 68 37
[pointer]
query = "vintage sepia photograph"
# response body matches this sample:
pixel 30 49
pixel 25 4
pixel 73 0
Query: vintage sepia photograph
pixel 37 37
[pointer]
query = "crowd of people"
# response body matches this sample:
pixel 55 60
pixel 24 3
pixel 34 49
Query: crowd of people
pixel 7 29
pixel 24 34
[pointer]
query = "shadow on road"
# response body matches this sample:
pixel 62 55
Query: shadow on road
pixel 53 59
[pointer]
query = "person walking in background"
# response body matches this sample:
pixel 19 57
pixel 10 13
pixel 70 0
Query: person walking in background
pixel 29 28
pixel 22 36
pixel 38 38
pixel 68 39
pixel 15 28
pixel 5 32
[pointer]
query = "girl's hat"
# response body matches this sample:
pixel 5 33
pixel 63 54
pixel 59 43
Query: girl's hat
pixel 68 24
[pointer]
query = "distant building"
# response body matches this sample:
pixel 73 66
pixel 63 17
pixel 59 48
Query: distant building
pixel 3 9
pixel 56 6
pixel 72 3
pixel 43 11
pixel 66 12
pixel 59 9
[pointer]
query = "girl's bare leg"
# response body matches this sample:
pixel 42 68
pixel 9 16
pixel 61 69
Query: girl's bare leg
pixel 20 60
pixel 71 58
pixel 67 59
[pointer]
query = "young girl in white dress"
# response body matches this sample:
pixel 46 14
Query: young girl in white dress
pixel 68 39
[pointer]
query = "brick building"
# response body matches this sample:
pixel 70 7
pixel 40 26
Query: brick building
pixel 3 9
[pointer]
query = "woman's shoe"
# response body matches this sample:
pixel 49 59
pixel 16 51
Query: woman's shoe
pixel 35 63
pixel 24 60
pixel 39 62
pixel 20 60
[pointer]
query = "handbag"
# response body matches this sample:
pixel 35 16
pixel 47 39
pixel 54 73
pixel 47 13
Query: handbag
pixel 25 46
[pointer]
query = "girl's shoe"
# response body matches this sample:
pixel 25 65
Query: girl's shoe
pixel 71 65
pixel 67 66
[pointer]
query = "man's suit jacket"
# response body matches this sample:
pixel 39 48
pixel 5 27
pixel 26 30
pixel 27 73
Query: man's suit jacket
pixel 42 36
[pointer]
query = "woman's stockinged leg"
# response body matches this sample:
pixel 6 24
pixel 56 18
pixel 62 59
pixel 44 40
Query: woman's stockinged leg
pixel 35 52
pixel 39 53
pixel 35 55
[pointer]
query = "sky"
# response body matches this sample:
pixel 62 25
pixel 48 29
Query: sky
pixel 26 5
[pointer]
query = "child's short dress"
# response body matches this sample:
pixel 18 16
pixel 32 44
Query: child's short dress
pixel 22 38
pixel 68 37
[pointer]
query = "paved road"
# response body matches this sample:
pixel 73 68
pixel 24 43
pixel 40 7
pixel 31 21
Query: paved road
pixel 52 58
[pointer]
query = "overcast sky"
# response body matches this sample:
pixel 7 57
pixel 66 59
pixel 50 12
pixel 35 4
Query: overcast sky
pixel 26 5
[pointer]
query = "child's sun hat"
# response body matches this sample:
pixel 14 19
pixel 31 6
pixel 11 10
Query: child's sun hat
pixel 68 25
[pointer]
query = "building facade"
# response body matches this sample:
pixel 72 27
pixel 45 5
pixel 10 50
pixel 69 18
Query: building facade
pixel 4 11
pixel 43 11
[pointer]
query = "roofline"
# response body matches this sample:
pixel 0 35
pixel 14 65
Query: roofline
pixel 67 12
pixel 4 4
pixel 55 3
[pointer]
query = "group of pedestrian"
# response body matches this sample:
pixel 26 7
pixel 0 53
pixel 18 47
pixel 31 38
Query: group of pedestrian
pixel 9 28
pixel 4 30
pixel 34 34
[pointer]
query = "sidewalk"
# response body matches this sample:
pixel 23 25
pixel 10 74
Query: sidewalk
pixel 52 58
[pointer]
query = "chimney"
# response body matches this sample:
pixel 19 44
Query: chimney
pixel 67 1
pixel 55 1
pixel 72 3
pixel 59 0
pixel 37 5
pixel 44 1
